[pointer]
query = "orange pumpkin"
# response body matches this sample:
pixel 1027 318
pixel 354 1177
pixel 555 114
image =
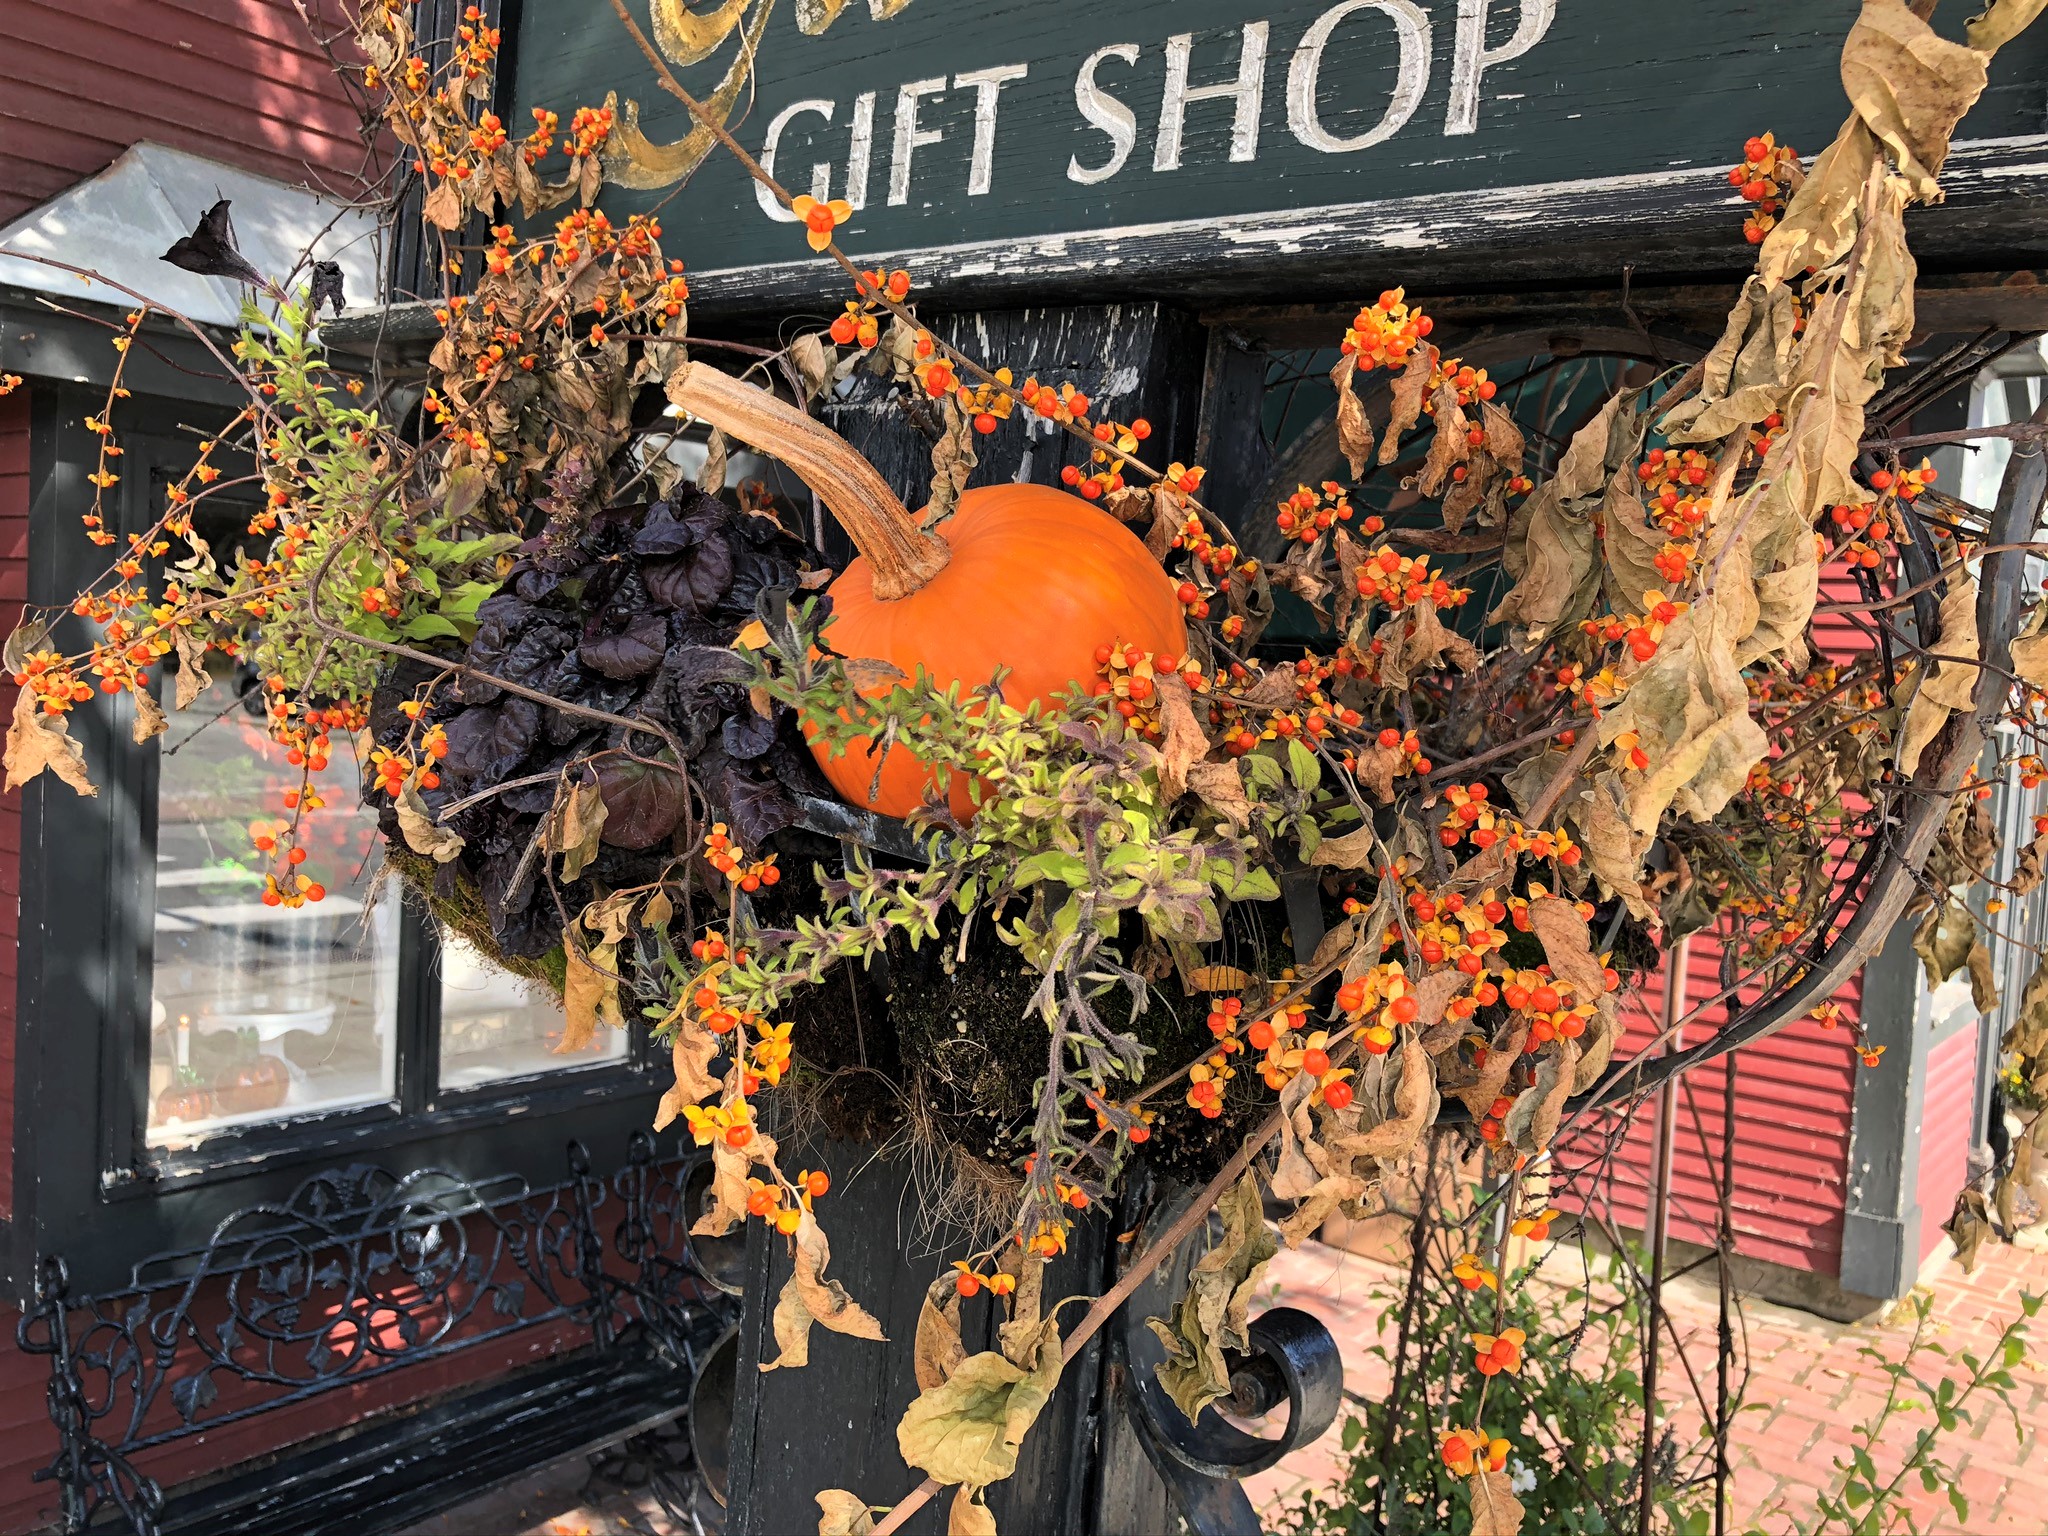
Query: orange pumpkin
pixel 1021 576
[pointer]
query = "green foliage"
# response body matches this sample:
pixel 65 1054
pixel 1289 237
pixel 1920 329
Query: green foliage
pixel 353 548
pixel 1574 1415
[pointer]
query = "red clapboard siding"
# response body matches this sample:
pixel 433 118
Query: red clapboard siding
pixel 1945 1131
pixel 1792 1101
pixel 240 81
pixel 1794 1093
pixel 13 587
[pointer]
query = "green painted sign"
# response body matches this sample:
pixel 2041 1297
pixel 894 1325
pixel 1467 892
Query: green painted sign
pixel 1008 132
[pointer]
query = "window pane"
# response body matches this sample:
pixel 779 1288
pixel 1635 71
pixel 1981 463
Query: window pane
pixel 262 1013
pixel 496 1025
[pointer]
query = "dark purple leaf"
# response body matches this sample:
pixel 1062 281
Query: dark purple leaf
pixel 746 735
pixel 756 809
pixel 489 741
pixel 632 652
pixel 692 583
pixel 642 804
pixel 328 286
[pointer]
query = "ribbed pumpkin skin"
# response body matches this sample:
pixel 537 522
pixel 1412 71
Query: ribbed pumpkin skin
pixel 1037 581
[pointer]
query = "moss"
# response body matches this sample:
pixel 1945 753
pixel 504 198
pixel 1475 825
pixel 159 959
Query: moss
pixel 460 908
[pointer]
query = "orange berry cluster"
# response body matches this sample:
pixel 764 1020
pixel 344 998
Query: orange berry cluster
pixel 1400 581
pixel 1502 1352
pixel 1467 1452
pixel 971 1282
pixel 1121 440
pixel 860 324
pixel 1471 383
pixel 1471 1272
pixel 987 405
pixel 1768 171
pixel 1535 1228
pixel 1386 332
pixel 1385 993
pixel 1672 482
pixel 1130 678
pixel 1307 515
pixel 766 1200
pixel 1643 631
pixel 730 860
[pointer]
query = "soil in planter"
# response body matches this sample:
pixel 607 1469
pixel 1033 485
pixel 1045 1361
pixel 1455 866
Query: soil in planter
pixel 936 1050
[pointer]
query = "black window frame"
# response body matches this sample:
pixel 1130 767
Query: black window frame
pixel 86 1185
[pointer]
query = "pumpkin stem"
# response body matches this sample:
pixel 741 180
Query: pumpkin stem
pixel 902 555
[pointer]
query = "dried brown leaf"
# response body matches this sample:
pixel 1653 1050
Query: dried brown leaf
pixel 1911 86
pixel 808 1298
pixel 1411 388
pixel 1941 688
pixel 1450 447
pixel 1354 432
pixel 938 1349
pixel 423 834
pixel 1183 743
pixel 150 719
pixel 1568 946
pixel 36 741
pixel 968 1516
pixel 1495 1509
pixel 1221 788
pixel 1214 1313
pixel 841 1513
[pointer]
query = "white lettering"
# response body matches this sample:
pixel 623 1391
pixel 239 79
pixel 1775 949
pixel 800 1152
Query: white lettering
pixel 1105 112
pixel 1248 90
pixel 1473 58
pixel 988 85
pixel 861 151
pixel 821 175
pixel 909 137
pixel 1304 75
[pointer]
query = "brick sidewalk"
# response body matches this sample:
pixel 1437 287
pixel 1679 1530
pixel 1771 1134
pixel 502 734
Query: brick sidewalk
pixel 1805 1370
pixel 1808 1388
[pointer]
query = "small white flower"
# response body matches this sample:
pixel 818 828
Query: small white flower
pixel 1521 1479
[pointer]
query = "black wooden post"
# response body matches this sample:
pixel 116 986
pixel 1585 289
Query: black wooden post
pixel 1082 1470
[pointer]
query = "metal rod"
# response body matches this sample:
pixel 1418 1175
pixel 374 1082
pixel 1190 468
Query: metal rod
pixel 1657 1225
pixel 1724 1245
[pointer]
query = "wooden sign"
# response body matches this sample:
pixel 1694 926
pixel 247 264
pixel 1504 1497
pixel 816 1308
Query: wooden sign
pixel 1012 146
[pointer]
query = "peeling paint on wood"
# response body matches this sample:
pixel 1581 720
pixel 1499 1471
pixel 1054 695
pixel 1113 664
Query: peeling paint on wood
pixel 1270 142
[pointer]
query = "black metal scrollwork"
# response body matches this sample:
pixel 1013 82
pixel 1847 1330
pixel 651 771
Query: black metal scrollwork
pixel 359 1273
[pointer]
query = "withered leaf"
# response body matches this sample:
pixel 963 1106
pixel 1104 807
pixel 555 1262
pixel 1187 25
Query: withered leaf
pixel 1411 387
pixel 150 719
pixel 968 1515
pixel 422 833
pixel 1450 447
pixel 1354 850
pixel 813 361
pixel 36 741
pixel 1911 86
pixel 938 1350
pixel 575 826
pixel 729 1187
pixel 590 993
pixel 1183 743
pixel 1943 687
pixel 1495 1509
pixel 1213 1315
pixel 1502 1053
pixel 443 207
pixel 967 1429
pixel 839 1512
pixel 1414 1108
pixel 1221 788
pixel 691 1055
pixel 1354 432
pixel 1568 946
pixel 808 1297
pixel 2000 22
pixel 1539 1108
